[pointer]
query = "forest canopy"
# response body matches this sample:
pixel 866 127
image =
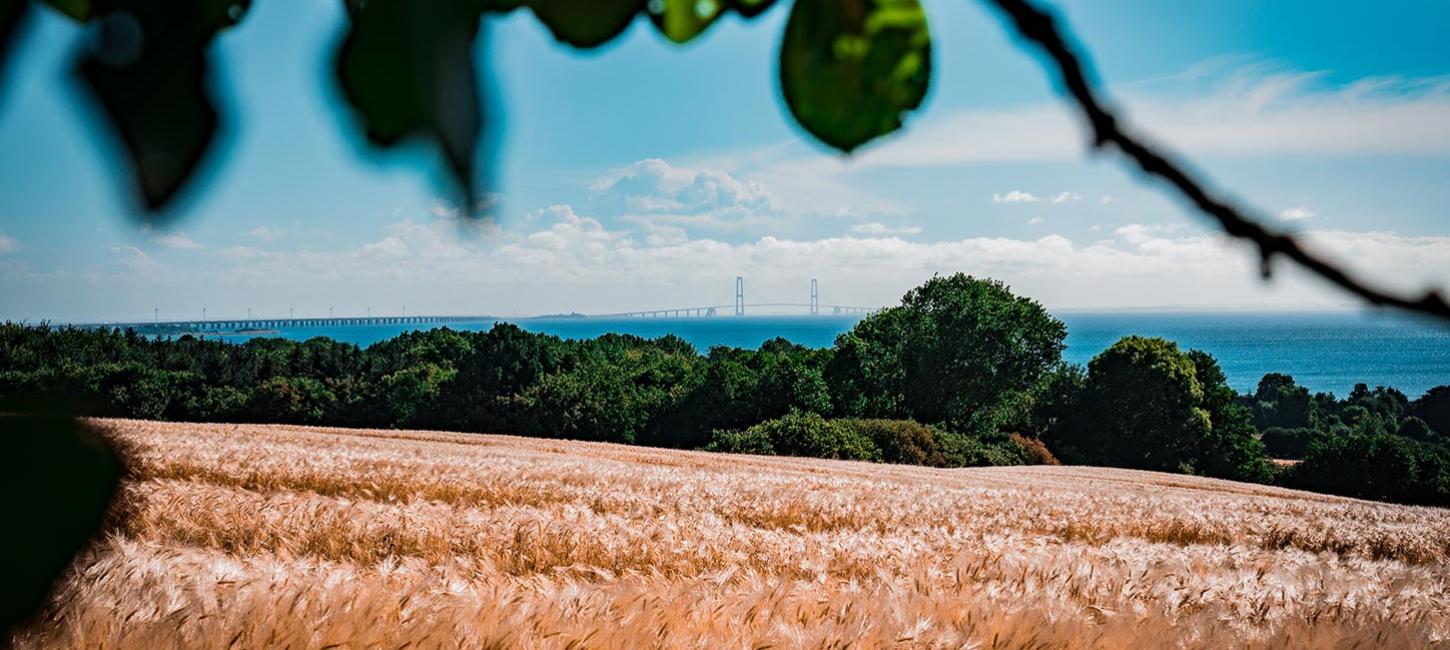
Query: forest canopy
pixel 961 373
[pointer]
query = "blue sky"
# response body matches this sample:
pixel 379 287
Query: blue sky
pixel 649 175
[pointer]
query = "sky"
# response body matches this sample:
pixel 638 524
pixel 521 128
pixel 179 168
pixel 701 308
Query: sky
pixel 648 175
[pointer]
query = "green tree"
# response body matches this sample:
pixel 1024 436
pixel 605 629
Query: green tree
pixel 404 398
pixel 1141 408
pixel 960 351
pixel 1289 443
pixel 1434 408
pixel 1416 429
pixel 1232 448
pixel 1387 404
pixel 739 388
pixel 1279 402
pixel 1380 467
pixel 807 434
pixel 301 400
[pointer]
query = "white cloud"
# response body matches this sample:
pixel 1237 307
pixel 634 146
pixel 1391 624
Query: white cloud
pixel 565 260
pixel 175 240
pixel 7 244
pixel 390 246
pixel 483 208
pixel 1296 213
pixel 1016 196
pixel 266 233
pixel 1034 221
pixel 1244 111
pixel 132 260
pixel 878 228
pixel 657 191
pixel 1106 199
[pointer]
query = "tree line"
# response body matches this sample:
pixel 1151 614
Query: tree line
pixel 961 373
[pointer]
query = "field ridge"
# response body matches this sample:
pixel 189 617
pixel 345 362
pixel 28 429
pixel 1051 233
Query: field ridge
pixel 305 537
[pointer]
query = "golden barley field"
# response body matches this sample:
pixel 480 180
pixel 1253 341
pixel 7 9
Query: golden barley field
pixel 291 537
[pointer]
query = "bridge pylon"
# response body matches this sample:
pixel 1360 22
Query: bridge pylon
pixel 739 295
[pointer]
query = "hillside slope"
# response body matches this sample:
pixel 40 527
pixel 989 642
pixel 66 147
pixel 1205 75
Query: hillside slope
pixel 272 536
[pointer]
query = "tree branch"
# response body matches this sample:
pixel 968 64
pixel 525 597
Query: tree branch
pixel 1040 28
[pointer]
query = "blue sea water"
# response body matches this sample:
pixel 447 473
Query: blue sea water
pixel 1326 351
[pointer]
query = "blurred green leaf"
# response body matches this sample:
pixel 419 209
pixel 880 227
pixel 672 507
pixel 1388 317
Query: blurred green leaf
pixel 586 23
pixel 407 69
pixel 12 16
pixel 750 8
pixel 148 72
pixel 849 69
pixel 57 479
pixel 79 10
pixel 682 20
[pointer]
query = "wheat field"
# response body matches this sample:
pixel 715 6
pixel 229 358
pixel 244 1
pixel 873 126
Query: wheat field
pixel 254 536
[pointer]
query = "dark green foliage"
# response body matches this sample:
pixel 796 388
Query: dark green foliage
pixel 1232 449
pixel 1416 429
pixel 1051 401
pixel 1387 404
pixel 741 387
pixel 617 388
pixel 849 69
pixel 148 73
pixel 1279 402
pixel 1434 408
pixel 963 374
pixel 407 69
pixel 13 16
pixel 613 392
pixel 1149 406
pixel 959 351
pixel 586 23
pixel 900 441
pixel 893 441
pixel 291 399
pixel 967 450
pixel 1379 467
pixel 682 20
pixel 751 441
pixel 808 434
pixel 57 478
pixel 1142 408
pixel 1289 443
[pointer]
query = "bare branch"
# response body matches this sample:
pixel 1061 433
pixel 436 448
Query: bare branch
pixel 1040 28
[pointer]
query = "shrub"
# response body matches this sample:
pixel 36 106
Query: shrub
pixel 220 404
pixel 1036 452
pixel 901 441
pixel 291 399
pixel 966 450
pixel 1383 467
pixel 808 434
pixel 751 441
pixel 1416 429
pixel 1282 442
pixel 1434 408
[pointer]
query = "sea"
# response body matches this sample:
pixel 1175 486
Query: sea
pixel 1325 351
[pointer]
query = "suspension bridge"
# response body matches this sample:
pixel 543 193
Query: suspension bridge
pixel 740 306
pixel 250 324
